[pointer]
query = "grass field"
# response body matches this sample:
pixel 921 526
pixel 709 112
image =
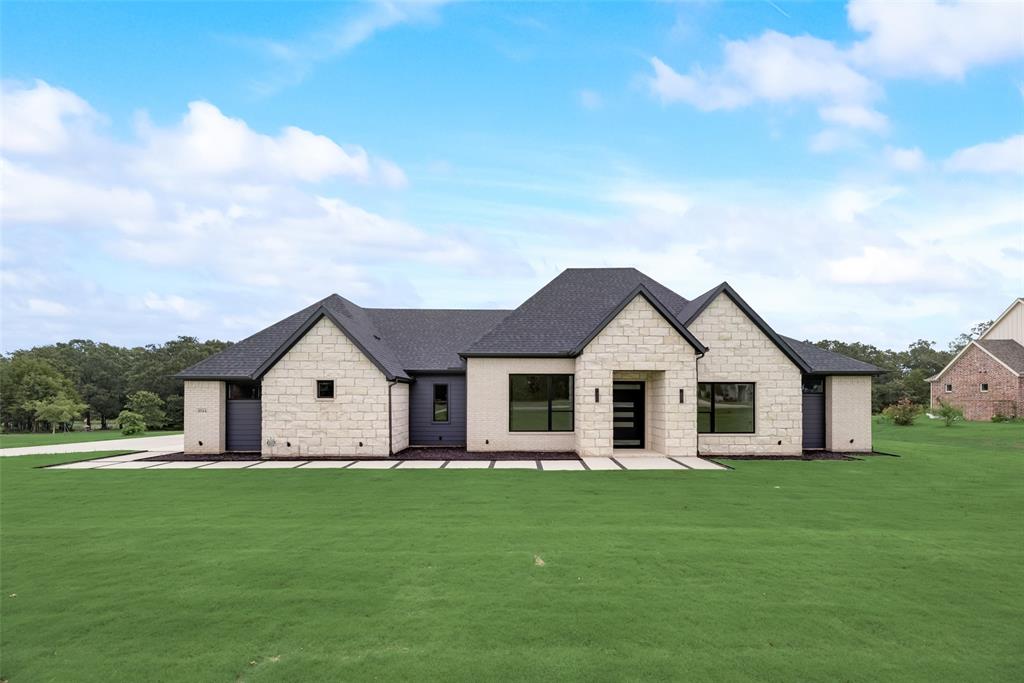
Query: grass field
pixel 47 439
pixel 889 568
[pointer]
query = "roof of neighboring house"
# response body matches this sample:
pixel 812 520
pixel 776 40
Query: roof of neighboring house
pixel 559 320
pixel 824 362
pixel 568 311
pixel 1009 352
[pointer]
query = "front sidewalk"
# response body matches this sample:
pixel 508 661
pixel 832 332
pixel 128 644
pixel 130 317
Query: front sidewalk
pixel 169 442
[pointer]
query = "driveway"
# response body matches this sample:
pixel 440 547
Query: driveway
pixel 172 442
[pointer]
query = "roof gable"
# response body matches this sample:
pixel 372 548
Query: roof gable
pixel 693 310
pixel 565 314
pixel 1009 324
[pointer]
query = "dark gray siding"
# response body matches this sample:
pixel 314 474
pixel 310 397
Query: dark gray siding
pixel 243 425
pixel 814 420
pixel 422 429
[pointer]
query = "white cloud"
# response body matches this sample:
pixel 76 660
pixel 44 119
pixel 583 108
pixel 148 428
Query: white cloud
pixel 854 116
pixel 47 308
pixel 928 38
pixel 848 204
pixel 172 303
pixel 590 99
pixel 646 200
pixel 905 159
pixel 41 119
pixel 833 140
pixel 773 67
pixel 1005 156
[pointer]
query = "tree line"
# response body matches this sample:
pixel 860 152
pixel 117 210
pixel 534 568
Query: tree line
pixel 50 387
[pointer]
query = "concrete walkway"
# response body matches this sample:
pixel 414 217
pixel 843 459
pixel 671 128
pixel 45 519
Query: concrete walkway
pixel 166 444
pixel 135 462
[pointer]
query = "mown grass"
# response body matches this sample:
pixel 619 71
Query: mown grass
pixel 887 568
pixel 48 439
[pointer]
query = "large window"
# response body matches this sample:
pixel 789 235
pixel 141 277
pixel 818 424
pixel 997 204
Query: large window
pixel 540 403
pixel 725 408
pixel 440 403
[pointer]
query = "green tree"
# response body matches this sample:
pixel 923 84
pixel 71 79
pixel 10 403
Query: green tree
pixel 949 413
pixel 966 338
pixel 58 411
pixel 149 406
pixel 24 380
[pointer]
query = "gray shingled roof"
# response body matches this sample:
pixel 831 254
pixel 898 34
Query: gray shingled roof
pixel 1007 350
pixel 432 339
pixel 567 310
pixel 557 320
pixel 828 362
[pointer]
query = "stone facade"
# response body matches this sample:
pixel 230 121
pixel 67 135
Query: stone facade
pixel 487 409
pixel 354 422
pixel 974 367
pixel 848 413
pixel 740 352
pixel 638 344
pixel 205 413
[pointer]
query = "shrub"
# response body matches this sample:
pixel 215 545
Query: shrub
pixel 999 417
pixel 902 412
pixel 149 406
pixel 131 422
pixel 949 412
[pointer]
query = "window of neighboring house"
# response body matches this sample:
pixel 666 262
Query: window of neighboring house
pixel 240 391
pixel 325 388
pixel 440 403
pixel 984 386
pixel 949 388
pixel 725 408
pixel 540 403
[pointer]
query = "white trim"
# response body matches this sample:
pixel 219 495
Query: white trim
pixel 1017 302
pixel 964 350
pixel 983 387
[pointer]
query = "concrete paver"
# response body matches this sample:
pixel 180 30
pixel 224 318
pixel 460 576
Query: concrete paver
pixel 230 464
pixel 601 464
pixel 553 465
pixel 372 465
pixel 183 464
pixel 134 465
pixel 277 464
pixel 514 464
pixel 420 464
pixel 700 464
pixel 327 464
pixel 649 464
pixel 468 464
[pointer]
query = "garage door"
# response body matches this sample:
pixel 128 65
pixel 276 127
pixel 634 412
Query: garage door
pixel 814 412
pixel 243 425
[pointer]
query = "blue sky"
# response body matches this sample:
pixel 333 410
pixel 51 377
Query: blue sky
pixel 855 171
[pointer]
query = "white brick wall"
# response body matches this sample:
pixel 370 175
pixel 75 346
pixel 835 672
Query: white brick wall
pixel 638 344
pixel 487 405
pixel 204 416
pixel 848 413
pixel 358 413
pixel 740 352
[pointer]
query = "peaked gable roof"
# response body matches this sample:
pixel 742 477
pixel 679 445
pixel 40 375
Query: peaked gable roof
pixel 569 311
pixel 825 362
pixel 1009 352
pixel 430 340
pixel 693 310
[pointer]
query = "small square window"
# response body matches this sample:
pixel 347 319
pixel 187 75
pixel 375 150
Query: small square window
pixel 949 388
pixel 984 386
pixel 325 388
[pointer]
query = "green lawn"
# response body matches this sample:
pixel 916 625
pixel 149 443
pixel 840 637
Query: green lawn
pixel 881 569
pixel 47 439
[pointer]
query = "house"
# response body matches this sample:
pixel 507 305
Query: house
pixel 987 377
pixel 599 361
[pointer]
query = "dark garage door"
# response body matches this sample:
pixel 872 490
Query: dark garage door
pixel 814 412
pixel 243 425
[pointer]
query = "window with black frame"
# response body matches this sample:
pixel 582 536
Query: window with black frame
pixel 540 403
pixel 440 403
pixel 243 391
pixel 725 408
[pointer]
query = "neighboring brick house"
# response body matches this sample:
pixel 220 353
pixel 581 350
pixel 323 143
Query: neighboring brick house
pixel 987 377
pixel 600 361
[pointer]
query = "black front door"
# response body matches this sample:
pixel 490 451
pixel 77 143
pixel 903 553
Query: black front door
pixel 628 418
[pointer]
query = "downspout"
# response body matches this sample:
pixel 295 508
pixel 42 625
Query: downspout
pixel 391 438
pixel 696 395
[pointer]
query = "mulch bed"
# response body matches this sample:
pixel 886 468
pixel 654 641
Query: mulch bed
pixel 807 455
pixel 432 453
